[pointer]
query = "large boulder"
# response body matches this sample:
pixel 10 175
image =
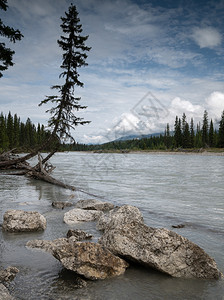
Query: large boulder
pixel 160 249
pixel 90 260
pixel 23 221
pixel 94 204
pixel 8 274
pixel 80 215
pixel 4 293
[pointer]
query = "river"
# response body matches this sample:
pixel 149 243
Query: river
pixel 168 190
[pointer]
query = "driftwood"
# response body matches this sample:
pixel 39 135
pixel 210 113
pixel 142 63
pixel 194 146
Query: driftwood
pixel 42 170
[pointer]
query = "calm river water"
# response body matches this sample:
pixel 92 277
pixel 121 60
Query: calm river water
pixel 168 190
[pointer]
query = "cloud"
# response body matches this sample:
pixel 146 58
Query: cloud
pixel 207 37
pixel 215 104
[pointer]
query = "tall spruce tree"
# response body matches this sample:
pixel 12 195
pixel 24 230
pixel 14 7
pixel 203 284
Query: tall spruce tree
pixel 186 136
pixel 211 135
pixel 177 132
pixel 221 131
pixel 205 129
pixel 13 35
pixel 192 134
pixel 62 118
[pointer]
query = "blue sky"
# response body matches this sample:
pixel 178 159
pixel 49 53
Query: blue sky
pixel 150 61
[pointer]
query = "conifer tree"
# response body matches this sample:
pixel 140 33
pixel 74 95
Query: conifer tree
pixel 10 130
pixel 177 132
pixel 13 35
pixel 221 131
pixel 186 140
pixel 73 45
pixel 192 134
pixel 4 141
pixel 205 129
pixel 16 125
pixel 198 137
pixel 211 134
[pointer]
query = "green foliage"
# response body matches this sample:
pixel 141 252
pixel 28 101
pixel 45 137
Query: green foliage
pixel 74 55
pixel 211 135
pixel 16 134
pixel 205 129
pixel 13 35
pixel 221 131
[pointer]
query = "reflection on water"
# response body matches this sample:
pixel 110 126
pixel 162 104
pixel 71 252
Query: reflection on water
pixel 169 190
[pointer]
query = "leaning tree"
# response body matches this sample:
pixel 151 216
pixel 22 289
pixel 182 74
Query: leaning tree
pixel 13 35
pixel 64 103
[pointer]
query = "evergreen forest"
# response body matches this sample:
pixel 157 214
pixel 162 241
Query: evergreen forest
pixel 19 135
pixel 183 135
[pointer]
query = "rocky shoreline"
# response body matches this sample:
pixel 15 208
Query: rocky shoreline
pixel 125 239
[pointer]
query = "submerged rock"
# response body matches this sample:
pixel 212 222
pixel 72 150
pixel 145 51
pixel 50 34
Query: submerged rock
pixel 61 204
pixel 80 215
pixel 90 260
pixel 178 226
pixel 23 221
pixel 4 293
pixel 127 236
pixel 48 246
pixel 78 234
pixel 94 204
pixel 8 274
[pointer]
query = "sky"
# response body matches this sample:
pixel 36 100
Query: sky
pixel 150 61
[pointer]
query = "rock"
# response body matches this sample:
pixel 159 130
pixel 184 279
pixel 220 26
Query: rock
pixel 79 215
pixel 8 274
pixel 104 220
pixel 94 205
pixel 61 205
pixel 178 226
pixel 48 246
pixel 78 234
pixel 23 221
pixel 4 293
pixel 90 260
pixel 160 249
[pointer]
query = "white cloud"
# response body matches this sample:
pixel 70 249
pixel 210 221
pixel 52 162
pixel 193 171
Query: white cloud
pixel 207 37
pixel 215 104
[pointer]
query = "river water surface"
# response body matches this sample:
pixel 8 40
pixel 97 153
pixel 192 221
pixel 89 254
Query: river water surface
pixel 168 190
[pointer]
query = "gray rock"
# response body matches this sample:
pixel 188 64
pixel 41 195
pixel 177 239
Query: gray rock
pixel 90 260
pixel 104 220
pixel 78 234
pixel 94 204
pixel 4 293
pixel 23 221
pixel 8 274
pixel 61 204
pixel 48 246
pixel 80 215
pixel 127 236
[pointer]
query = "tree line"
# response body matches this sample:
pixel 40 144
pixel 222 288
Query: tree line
pixel 184 135
pixel 19 135
pixel 25 136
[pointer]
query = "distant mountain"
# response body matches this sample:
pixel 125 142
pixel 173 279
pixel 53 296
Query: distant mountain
pixel 138 137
